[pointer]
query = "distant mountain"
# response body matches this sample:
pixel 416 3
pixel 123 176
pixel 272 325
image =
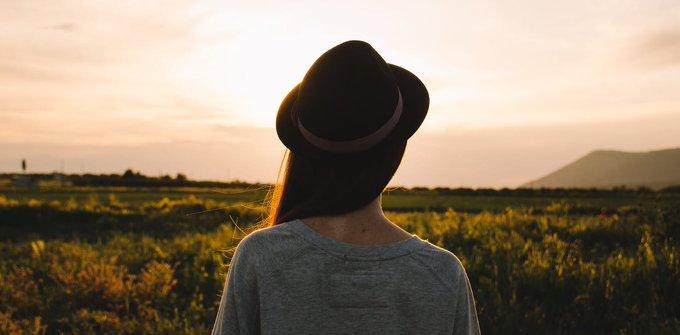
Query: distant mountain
pixel 609 168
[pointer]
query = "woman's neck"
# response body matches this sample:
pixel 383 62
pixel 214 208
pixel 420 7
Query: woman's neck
pixel 364 226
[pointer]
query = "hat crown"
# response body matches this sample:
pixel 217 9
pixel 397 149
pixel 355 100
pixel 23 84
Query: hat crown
pixel 348 93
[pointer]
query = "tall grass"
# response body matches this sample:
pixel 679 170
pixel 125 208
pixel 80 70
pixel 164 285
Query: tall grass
pixel 101 265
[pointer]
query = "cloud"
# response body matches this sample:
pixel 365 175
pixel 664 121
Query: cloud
pixel 65 27
pixel 656 49
pixel 193 109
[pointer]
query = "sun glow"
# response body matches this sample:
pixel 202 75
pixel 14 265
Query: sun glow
pixel 249 72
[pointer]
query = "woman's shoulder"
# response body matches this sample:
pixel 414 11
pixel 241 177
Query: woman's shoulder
pixel 442 262
pixel 265 235
pixel 265 245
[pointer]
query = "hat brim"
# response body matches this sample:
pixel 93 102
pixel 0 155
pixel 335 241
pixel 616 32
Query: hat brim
pixel 416 102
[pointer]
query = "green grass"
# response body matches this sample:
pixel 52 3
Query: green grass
pixel 135 195
pixel 129 261
pixel 397 200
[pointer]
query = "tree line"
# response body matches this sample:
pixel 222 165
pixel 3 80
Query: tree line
pixel 131 178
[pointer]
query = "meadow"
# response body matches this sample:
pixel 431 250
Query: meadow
pixel 125 260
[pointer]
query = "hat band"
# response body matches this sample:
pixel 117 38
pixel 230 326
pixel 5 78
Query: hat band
pixel 359 144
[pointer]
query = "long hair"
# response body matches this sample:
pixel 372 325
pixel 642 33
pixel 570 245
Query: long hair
pixel 317 186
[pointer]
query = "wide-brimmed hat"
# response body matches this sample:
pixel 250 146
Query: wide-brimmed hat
pixel 351 101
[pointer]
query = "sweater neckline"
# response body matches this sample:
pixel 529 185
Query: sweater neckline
pixel 355 251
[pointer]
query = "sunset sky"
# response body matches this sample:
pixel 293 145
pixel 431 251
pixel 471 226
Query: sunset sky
pixel 517 88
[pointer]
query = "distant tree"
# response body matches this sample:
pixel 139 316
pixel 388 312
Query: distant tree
pixel 181 177
pixel 23 165
pixel 130 174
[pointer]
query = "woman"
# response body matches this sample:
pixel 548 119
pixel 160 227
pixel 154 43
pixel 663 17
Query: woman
pixel 330 262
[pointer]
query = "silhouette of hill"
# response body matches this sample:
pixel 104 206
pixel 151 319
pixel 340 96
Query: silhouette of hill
pixel 609 168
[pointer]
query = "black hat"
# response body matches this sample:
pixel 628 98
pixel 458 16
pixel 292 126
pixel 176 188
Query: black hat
pixel 351 101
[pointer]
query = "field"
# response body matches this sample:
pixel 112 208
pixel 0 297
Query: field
pixel 106 260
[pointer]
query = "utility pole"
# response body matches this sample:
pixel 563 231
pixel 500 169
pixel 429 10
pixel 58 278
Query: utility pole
pixel 23 165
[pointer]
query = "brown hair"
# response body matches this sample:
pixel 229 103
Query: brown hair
pixel 316 186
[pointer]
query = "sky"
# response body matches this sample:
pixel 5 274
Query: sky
pixel 518 89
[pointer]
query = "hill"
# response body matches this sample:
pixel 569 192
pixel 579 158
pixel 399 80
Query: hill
pixel 609 168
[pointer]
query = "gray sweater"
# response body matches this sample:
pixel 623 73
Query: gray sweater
pixel 289 279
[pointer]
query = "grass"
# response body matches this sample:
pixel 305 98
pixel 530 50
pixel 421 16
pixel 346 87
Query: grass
pixel 144 261
pixel 396 200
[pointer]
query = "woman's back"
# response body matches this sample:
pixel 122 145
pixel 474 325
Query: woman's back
pixel 346 126
pixel 289 279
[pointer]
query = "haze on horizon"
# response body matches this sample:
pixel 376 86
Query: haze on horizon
pixel 517 90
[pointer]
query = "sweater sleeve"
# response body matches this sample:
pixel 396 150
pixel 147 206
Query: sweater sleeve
pixel 238 311
pixel 466 322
